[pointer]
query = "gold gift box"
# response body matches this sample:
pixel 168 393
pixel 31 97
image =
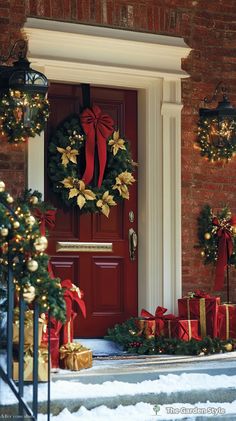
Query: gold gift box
pixel 75 357
pixel 28 366
pixel 28 328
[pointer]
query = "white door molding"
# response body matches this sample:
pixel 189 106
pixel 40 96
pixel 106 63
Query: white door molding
pixel 151 64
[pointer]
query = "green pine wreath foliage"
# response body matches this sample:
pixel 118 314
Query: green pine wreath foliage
pixel 207 233
pixel 14 123
pixel 223 147
pixel 127 335
pixel 67 165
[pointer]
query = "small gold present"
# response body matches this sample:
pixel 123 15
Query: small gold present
pixel 28 328
pixel 75 356
pixel 28 366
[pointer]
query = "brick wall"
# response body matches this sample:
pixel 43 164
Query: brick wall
pixel 209 28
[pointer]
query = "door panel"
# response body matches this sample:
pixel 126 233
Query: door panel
pixel 108 279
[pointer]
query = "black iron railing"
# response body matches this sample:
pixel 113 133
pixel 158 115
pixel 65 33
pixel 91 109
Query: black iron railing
pixel 25 409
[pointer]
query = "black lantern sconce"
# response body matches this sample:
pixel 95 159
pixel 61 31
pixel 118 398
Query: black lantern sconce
pixel 24 108
pixel 217 128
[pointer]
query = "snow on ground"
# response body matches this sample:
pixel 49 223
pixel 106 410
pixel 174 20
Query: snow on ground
pixel 170 383
pixel 147 412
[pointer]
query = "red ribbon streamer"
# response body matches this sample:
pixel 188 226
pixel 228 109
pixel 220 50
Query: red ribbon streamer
pixel 46 219
pixel 71 295
pixel 225 249
pixel 96 126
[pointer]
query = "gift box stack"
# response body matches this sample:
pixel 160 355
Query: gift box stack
pixel 199 315
pixel 64 352
pixel 43 360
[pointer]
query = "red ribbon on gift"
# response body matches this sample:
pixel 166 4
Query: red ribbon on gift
pixel 47 219
pixel 99 127
pixel 225 249
pixel 71 294
pixel 159 315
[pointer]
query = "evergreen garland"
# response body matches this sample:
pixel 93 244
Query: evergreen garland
pixel 67 165
pixel 22 244
pixel 129 337
pixel 207 233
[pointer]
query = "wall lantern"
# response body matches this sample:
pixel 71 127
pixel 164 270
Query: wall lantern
pixel 217 128
pixel 24 108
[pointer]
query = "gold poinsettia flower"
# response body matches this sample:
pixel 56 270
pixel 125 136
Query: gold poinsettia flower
pixel 105 202
pixel 77 188
pixel 122 181
pixel 68 155
pixel 116 143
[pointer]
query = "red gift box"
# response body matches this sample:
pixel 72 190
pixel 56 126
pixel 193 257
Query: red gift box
pixel 170 328
pixel 147 328
pixel 202 307
pixel 227 321
pixel 157 319
pixel 187 329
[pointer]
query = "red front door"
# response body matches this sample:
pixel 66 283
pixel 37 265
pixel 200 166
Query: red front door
pixel 108 279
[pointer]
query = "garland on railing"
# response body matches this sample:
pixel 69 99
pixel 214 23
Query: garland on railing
pixel 22 243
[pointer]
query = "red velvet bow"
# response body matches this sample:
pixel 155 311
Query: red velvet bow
pixel 99 127
pixel 159 314
pixel 71 294
pixel 46 219
pixel 225 249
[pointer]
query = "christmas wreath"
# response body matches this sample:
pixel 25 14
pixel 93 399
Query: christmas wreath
pixel 217 140
pixel 90 165
pixel 217 240
pixel 22 115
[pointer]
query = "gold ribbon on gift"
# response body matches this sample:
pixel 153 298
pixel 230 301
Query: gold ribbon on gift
pixel 189 329
pixel 227 319
pixel 202 314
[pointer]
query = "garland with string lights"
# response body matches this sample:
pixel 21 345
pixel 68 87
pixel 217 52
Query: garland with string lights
pixel 23 245
pixel 67 166
pixel 217 140
pixel 22 115
pixel 129 337
pixel 209 225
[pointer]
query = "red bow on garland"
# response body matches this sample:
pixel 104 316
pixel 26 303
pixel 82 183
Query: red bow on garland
pixel 99 127
pixel 46 219
pixel 225 249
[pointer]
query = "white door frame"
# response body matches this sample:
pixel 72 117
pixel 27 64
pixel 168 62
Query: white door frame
pixel 151 64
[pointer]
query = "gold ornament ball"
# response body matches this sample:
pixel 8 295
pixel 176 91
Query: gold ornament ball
pixel 4 232
pixel 30 220
pixel 202 253
pixel 34 200
pixel 29 293
pixel 41 243
pixel 2 186
pixel 10 199
pixel 16 224
pixel 228 347
pixel 32 265
pixel 207 236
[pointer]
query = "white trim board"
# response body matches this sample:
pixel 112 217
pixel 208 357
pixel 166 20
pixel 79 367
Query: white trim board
pixel 151 64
